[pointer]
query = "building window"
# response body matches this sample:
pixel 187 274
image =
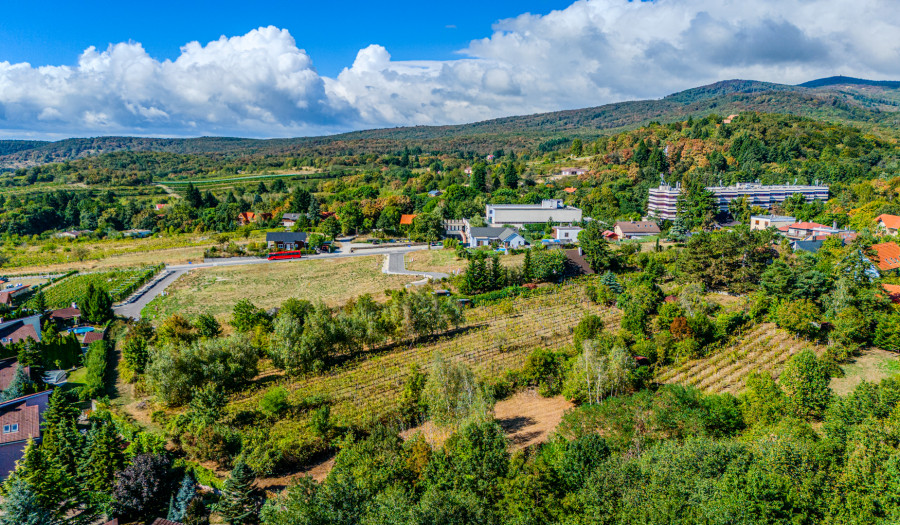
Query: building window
pixel 9 429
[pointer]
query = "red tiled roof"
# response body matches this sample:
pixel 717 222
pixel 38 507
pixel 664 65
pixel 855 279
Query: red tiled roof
pixel 893 291
pixel 784 228
pixel 28 417
pixel 407 219
pixel 17 332
pixel 570 190
pixel 806 225
pixel 90 337
pixel 887 255
pixel 8 369
pixel 161 521
pixel 65 313
pixel 889 221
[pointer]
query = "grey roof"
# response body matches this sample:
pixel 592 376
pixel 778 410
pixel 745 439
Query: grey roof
pixel 291 216
pixel 286 237
pixel 808 246
pixel 487 232
pixel 507 234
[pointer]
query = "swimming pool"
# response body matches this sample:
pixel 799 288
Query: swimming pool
pixel 82 329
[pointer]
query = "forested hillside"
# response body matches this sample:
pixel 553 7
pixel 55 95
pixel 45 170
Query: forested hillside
pixel 869 104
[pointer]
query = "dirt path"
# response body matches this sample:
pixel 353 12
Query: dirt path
pixel 526 417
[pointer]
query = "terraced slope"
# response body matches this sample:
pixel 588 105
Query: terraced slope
pixel 763 347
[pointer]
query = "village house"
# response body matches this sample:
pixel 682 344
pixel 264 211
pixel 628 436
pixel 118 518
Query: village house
pixel 289 220
pixel 568 171
pixel 20 330
pixel 286 240
pixel 11 291
pixel 246 217
pixel 8 369
pixel 763 222
pixel 886 256
pixel 65 316
pixel 72 234
pixel 20 421
pixel 635 229
pixel 486 236
pixel 887 224
pixel 566 234
pixel 407 219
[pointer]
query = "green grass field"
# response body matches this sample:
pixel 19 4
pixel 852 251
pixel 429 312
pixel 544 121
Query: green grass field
pixel 71 289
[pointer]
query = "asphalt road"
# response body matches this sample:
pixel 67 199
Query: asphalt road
pixel 394 264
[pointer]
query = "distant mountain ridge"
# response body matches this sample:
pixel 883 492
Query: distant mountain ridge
pixel 865 103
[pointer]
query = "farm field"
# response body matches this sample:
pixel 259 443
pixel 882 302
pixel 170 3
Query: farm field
pixel 71 289
pixel 762 347
pixel 494 339
pixel 216 290
pixel 446 261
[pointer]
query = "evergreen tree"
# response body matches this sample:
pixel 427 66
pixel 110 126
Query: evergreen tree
pixel 192 196
pixel 209 200
pixel 497 280
pixel 261 188
pixel 511 176
pixel 196 513
pixel 40 475
pixel 609 280
pixel 679 230
pixel 96 305
pixel 313 211
pixel 18 387
pixel 527 270
pixel 22 506
pixel 479 176
pixel 595 247
pixel 62 444
pixel 186 494
pixel 38 302
pixel 239 503
pixel 103 459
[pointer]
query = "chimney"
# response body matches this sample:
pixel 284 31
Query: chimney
pixel 834 225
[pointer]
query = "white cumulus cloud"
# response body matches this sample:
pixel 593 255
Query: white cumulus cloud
pixel 591 53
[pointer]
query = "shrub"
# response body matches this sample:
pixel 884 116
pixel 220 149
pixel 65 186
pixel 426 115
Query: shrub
pixel 588 329
pixel 95 362
pixel 453 394
pixel 274 402
pixel 544 369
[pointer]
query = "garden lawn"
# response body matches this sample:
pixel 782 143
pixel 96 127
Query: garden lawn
pixel 216 290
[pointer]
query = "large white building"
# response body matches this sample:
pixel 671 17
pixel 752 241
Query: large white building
pixel 663 202
pixel 519 214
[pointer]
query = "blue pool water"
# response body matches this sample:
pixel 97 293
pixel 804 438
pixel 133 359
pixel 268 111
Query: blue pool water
pixel 82 330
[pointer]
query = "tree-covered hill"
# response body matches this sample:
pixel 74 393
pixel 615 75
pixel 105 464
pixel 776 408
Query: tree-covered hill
pixel 867 104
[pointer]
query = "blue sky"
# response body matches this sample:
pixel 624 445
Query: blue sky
pixel 276 69
pixel 55 32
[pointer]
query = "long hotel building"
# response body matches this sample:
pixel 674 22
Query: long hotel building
pixel 663 203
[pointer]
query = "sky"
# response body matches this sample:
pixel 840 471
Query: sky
pixel 277 69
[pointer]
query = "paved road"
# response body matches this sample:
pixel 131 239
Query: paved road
pixel 133 309
pixel 395 264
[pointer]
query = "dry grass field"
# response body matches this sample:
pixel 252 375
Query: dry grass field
pixel 216 290
pixel 446 261
pixel 762 348
pixel 873 365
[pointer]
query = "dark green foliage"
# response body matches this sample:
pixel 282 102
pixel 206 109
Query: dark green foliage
pixel 96 305
pixel 544 369
pixel 588 329
pixel 136 353
pixel 595 247
pixel 96 363
pixel 239 503
pixel 245 316
pixel 730 260
pixel 207 326
pixel 103 458
pixel 805 382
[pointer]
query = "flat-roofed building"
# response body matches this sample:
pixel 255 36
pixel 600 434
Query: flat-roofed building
pixel 663 201
pixel 520 214
pixel 763 222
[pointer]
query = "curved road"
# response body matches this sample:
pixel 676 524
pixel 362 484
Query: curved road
pixel 394 264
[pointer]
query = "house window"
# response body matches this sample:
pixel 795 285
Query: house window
pixel 9 429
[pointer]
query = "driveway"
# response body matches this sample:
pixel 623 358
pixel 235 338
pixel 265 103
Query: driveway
pixel 395 264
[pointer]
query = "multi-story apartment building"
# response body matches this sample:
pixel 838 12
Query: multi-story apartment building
pixel 663 202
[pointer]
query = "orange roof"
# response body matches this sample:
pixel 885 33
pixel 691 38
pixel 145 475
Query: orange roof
pixel 887 255
pixel 407 219
pixel 807 225
pixel 570 190
pixel 889 221
pixel 893 291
